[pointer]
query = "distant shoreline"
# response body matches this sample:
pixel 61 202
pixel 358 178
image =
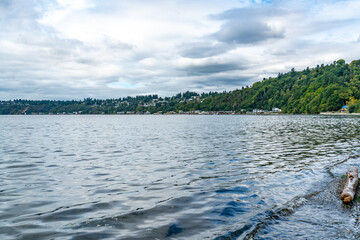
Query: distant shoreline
pixel 339 114
pixel 188 114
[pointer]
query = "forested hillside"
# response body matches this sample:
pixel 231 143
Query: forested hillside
pixel 320 89
pixel 323 88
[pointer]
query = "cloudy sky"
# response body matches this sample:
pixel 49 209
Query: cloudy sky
pixel 72 49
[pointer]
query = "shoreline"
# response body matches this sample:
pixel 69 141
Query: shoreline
pixel 339 114
pixel 186 114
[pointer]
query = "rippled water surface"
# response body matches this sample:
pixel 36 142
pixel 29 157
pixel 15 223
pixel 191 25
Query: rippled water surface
pixel 177 177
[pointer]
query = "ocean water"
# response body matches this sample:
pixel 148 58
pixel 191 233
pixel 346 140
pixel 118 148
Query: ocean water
pixel 177 177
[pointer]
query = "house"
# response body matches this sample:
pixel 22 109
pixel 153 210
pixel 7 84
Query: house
pixel 275 109
pixel 345 109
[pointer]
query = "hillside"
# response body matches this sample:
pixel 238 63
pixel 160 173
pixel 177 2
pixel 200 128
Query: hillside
pixel 320 89
pixel 323 88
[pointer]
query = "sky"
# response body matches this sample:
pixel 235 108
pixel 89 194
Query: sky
pixel 74 49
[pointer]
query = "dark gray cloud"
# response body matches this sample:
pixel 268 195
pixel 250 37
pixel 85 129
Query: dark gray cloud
pixel 281 52
pixel 87 61
pixel 202 49
pixel 240 26
pixel 117 45
pixel 247 32
pixel 211 68
pixel 225 81
pixel 248 26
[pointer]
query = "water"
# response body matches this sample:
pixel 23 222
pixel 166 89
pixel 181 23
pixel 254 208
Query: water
pixel 176 177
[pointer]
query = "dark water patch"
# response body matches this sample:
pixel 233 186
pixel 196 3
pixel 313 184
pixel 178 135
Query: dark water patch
pixel 108 191
pixel 174 229
pixel 235 234
pixel 92 236
pixel 233 209
pixel 93 168
pixel 9 150
pixel 101 174
pixel 22 153
pixel 68 155
pixel 87 159
pixel 39 156
pixel 21 166
pixel 117 151
pixel 52 165
pixel 233 190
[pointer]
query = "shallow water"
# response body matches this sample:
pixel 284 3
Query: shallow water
pixel 176 177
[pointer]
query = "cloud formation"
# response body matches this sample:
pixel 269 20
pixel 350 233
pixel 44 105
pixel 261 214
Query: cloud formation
pixel 209 67
pixel 202 49
pixel 249 25
pixel 64 49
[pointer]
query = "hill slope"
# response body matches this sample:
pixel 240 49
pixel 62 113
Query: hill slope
pixel 324 88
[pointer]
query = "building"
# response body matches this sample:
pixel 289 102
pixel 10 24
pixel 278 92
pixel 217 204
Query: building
pixel 275 109
pixel 345 109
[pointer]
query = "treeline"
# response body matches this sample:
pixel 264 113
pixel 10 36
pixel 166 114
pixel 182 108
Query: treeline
pixel 320 89
pixel 139 104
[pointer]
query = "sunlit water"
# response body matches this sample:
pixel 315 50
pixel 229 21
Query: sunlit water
pixel 176 177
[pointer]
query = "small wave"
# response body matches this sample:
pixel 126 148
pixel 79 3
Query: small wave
pixel 233 190
pixel 22 166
